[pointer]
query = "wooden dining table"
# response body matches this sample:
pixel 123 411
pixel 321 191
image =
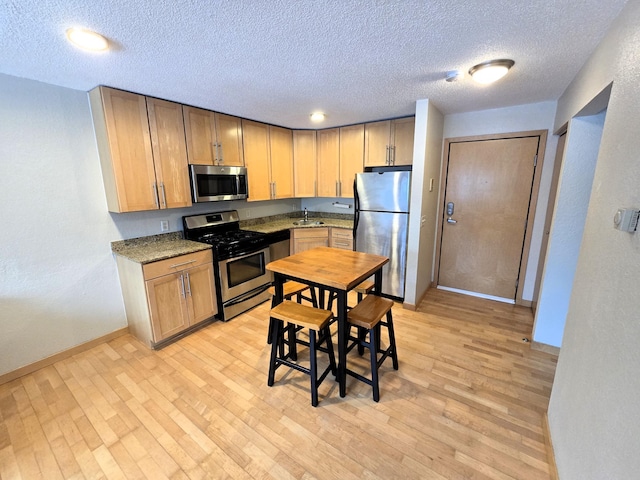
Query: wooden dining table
pixel 335 271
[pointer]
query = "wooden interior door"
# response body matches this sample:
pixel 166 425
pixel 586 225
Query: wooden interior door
pixel 489 183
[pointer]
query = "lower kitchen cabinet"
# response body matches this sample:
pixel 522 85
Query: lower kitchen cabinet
pixel 341 238
pixel 168 297
pixel 307 238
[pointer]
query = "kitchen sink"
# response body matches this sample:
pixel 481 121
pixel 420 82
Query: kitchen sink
pixel 308 222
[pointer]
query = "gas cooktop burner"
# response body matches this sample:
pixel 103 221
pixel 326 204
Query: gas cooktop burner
pixel 222 231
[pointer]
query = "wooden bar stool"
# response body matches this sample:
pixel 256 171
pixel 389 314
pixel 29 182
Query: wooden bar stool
pixel 289 289
pixel 363 288
pixel 317 321
pixel 367 317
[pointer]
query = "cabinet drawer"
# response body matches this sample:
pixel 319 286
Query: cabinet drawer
pixel 176 264
pixel 311 232
pixel 341 238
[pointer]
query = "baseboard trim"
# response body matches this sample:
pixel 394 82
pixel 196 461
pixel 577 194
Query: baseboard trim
pixel 45 362
pixel 551 457
pixel 411 306
pixel 543 347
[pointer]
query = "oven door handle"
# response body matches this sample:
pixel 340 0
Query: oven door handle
pixel 248 296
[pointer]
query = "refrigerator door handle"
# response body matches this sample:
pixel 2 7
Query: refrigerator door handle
pixel 356 217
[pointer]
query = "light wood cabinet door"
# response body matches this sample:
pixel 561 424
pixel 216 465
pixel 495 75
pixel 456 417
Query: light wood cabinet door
pixel 255 138
pixel 167 306
pixel 328 144
pixel 200 293
pixel 351 157
pixel 229 139
pixel 306 238
pixel 402 133
pixel 281 162
pixel 376 143
pixel 122 134
pixel 304 163
pixel 200 133
pixel 169 153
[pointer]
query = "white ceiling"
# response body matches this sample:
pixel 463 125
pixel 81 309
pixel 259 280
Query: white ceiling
pixel 278 60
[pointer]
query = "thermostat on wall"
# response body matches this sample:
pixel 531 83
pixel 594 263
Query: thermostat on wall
pixel 626 219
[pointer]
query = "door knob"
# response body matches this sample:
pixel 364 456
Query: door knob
pixel 451 220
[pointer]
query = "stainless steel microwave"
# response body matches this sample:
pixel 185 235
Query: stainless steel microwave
pixel 212 183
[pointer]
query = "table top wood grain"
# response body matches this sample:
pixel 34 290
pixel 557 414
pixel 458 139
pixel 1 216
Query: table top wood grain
pixel 331 267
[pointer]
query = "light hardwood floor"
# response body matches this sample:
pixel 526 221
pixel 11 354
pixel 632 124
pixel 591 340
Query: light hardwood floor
pixel 467 403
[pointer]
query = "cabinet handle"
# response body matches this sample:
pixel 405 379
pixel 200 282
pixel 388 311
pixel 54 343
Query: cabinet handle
pixel 274 190
pixel 341 243
pixel 393 155
pixel 220 154
pixel 188 284
pixel 155 194
pixel 164 195
pixel 181 264
pixel 182 286
pixel 387 158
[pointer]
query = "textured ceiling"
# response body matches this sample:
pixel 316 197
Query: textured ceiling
pixel 278 60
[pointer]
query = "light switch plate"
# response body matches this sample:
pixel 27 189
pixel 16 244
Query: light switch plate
pixel 164 225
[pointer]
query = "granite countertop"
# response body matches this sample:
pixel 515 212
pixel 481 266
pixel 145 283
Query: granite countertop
pixel 277 223
pixel 156 247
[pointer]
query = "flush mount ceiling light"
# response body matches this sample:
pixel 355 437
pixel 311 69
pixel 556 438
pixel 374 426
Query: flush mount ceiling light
pixel 317 116
pixel 489 72
pixel 87 39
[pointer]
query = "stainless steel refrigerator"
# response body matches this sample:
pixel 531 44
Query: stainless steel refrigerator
pixel 381 223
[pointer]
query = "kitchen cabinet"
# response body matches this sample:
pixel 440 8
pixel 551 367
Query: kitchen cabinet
pixel 389 143
pixel 351 157
pixel 142 151
pixel 213 138
pixel 341 238
pixel 340 157
pixel 306 238
pixel 168 297
pixel 268 153
pixel 304 163
pixel 328 162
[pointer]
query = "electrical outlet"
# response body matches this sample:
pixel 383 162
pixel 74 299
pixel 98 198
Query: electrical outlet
pixel 293 207
pixel 164 225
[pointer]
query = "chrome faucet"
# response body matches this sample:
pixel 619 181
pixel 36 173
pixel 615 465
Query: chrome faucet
pixel 306 215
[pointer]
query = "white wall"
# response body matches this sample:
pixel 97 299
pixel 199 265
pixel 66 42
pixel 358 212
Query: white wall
pixel 572 199
pixel 535 116
pixel 58 280
pixel 427 153
pixel 594 411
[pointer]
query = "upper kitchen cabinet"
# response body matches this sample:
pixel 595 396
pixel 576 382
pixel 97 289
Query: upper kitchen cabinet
pixel 268 154
pixel 351 157
pixel 213 138
pixel 142 152
pixel 169 153
pixel 389 143
pixel 328 144
pixel 304 163
pixel 281 161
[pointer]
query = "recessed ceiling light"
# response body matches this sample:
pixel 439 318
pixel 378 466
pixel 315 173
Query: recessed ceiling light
pixel 489 72
pixel 87 40
pixel 317 116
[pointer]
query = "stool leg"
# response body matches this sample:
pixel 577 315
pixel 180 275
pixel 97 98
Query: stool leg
pixel 359 297
pixel 362 336
pixel 275 341
pixel 332 358
pixel 313 367
pixel 373 339
pixel 271 326
pixel 291 342
pixel 392 340
pixel 314 300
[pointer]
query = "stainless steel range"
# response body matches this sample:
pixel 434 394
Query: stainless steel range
pixel 239 257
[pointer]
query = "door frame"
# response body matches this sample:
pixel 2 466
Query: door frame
pixel 533 201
